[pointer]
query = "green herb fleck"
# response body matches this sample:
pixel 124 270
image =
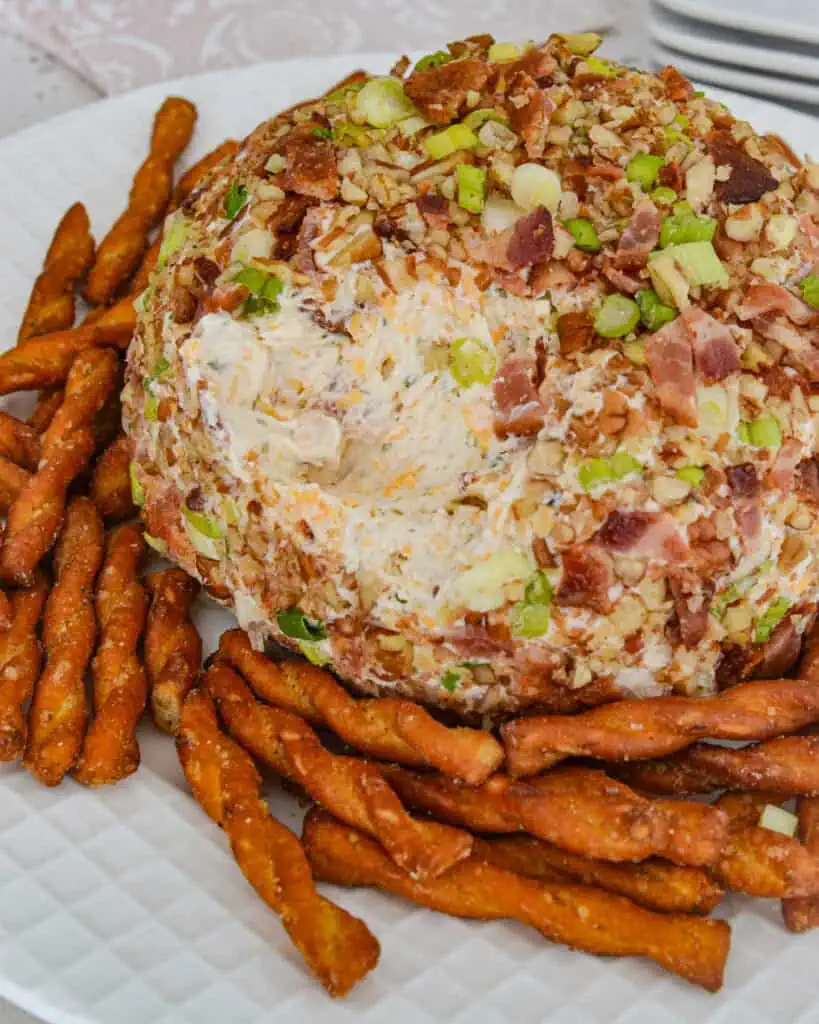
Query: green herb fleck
pixel 235 200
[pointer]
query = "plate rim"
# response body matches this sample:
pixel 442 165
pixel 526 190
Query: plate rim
pixel 752 22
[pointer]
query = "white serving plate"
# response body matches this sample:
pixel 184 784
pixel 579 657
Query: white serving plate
pixel 707 42
pixel 796 20
pixel 777 86
pixel 122 906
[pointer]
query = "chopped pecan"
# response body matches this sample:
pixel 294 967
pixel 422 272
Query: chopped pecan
pixel 749 179
pixel 672 176
pixel 439 93
pixel 586 577
pixel 529 110
pixel 677 86
pixel 288 214
pixel 434 209
pixel 311 167
pixel 692 600
pixel 575 331
pixel 184 303
pixel 538 64
pixel 743 480
pixel 533 239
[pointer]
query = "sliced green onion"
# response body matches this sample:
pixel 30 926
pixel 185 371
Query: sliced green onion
pixel 235 200
pixel 653 312
pixel 770 619
pixel 538 589
pixel 162 366
pixel 691 475
pixel 481 588
pixel 478 118
pixel 582 43
pixel 383 101
pixel 663 196
pixel 346 132
pixel 623 463
pixel 137 490
pixel 151 411
pixel 322 133
pixel 411 125
pixel 265 291
pixel 686 227
pixel 433 60
pixel 596 66
pixel 699 263
pixel 451 679
pixel 672 135
pixel 683 208
pixel 534 185
pixel 595 472
pixel 295 624
pixel 809 287
pixel 635 351
pixel 206 533
pixel 471 187
pixel 156 543
pixel 313 652
pixel 763 432
pixel 644 168
pixel 617 316
pixel 502 53
pixel 529 620
pixel 174 237
pixel 584 233
pixel 450 140
pixel 681 121
pixel 472 362
pixel 339 95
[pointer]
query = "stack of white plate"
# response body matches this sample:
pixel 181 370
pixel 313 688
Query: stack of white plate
pixel 766 47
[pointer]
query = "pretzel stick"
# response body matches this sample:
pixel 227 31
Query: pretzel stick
pixel 19 442
pixel 577 916
pixel 801 913
pixel 20 658
pixel 337 946
pixel 13 481
pixel 173 647
pixel 36 515
pixel 51 306
pixel 122 248
pixel 111 750
pixel 111 481
pixel 578 809
pixel 48 402
pixel 45 361
pixel 758 861
pixel 90 381
pixel 787 764
pixel 654 883
pixel 196 174
pixel 58 713
pixel 351 788
pixel 634 729
pixel 382 727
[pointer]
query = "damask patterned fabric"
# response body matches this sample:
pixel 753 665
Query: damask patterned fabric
pixel 121 44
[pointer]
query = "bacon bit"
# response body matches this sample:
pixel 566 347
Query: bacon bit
pixel 781 474
pixel 749 180
pixel 671 365
pixel 743 480
pixel 807 480
pixel 749 523
pixel 710 554
pixel 310 229
pixel 779 382
pixel 575 331
pixel 715 351
pixel 553 274
pixel 644 535
pixel 541 554
pixel 529 110
pixel 692 600
pixel 532 240
pixel 512 283
pixel 311 167
pixel 671 175
pixel 289 214
pixel 225 298
pixel 434 209
pixel 538 64
pixel 640 236
pixel 763 299
pixel 439 93
pixel 586 578
pixel 677 86
pixel 622 281
pixel 518 407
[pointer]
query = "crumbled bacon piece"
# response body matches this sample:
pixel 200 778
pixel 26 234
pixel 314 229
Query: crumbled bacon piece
pixel 671 365
pixel 807 480
pixel 518 406
pixel 532 241
pixel 311 167
pixel 640 236
pixel 715 351
pixel 782 472
pixel 643 535
pixel 763 299
pixel 575 331
pixel 434 209
pixel 677 86
pixel 743 480
pixel 289 214
pixel 586 578
pixel 692 600
pixel 310 229
pixel 671 175
pixel 623 282
pixel 749 179
pixel 439 93
pixel 538 64
pixel 529 110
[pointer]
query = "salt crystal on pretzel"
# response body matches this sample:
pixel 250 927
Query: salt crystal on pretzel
pixel 337 947
pixel 384 727
pixel 51 306
pixel 58 714
pixel 47 404
pixel 122 248
pixel 653 883
pixel 35 517
pixel 786 764
pixel 638 728
pixel 20 658
pixel 111 751
pixel 90 381
pixel 578 809
pixel 574 915
pixel 353 789
pixel 173 647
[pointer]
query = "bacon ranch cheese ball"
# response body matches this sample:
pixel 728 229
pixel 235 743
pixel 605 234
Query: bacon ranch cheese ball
pixel 495 382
